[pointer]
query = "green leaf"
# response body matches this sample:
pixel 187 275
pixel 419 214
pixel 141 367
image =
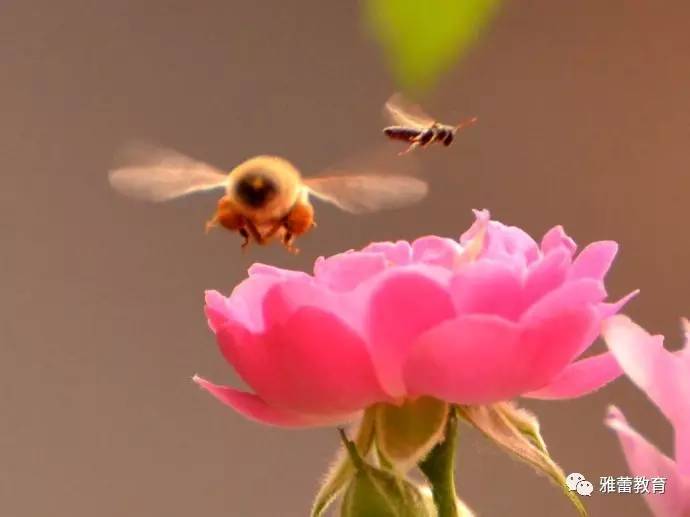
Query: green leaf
pixel 439 468
pixel 381 493
pixel 405 434
pixel 342 469
pixel 516 431
pixel 422 39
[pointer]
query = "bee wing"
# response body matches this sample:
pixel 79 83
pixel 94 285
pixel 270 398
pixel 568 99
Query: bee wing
pixel 404 113
pixel 362 194
pixel 157 174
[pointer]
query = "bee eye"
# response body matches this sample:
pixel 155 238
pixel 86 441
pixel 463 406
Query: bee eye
pixel 255 189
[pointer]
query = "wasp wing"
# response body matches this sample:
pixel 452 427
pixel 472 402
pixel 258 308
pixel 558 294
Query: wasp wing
pixel 363 194
pixel 157 174
pixel 404 113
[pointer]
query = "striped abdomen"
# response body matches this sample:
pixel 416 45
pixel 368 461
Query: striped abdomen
pixel 406 134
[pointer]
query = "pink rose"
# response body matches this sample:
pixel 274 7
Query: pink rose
pixel 489 318
pixel 665 377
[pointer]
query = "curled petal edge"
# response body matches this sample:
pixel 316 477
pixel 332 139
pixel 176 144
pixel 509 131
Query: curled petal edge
pixel 254 408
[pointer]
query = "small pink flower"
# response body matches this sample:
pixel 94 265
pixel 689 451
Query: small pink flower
pixel 489 318
pixel 665 377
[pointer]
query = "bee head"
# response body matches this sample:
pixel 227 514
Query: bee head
pixel 255 189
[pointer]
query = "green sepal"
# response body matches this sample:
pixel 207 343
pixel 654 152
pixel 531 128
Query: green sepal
pixel 517 431
pixel 381 493
pixel 342 469
pixel 405 434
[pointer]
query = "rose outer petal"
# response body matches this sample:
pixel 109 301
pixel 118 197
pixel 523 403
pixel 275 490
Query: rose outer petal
pixel 216 310
pixel 254 408
pixel 403 306
pixel 580 378
pixel 478 359
pixel 460 360
pixel 311 363
pixel 577 293
pixel 246 298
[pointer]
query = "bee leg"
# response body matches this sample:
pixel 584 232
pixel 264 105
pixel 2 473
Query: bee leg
pixel 415 143
pixel 211 223
pixel 254 232
pixel 245 234
pixel 419 140
pixel 288 243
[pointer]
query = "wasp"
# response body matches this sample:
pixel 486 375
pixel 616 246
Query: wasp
pixel 265 197
pixel 414 126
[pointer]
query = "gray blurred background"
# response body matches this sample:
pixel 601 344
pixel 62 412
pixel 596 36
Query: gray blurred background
pixel 583 110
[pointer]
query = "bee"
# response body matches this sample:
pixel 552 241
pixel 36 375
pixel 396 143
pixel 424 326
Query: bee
pixel 265 197
pixel 414 126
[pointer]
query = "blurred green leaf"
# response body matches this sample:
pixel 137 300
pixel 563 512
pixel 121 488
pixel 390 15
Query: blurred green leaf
pixel 423 38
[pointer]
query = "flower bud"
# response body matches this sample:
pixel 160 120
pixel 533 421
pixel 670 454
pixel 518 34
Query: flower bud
pixel 373 491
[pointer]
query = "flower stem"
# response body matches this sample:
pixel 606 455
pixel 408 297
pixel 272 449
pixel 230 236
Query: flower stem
pixel 439 468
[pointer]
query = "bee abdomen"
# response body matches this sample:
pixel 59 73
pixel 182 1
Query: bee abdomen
pixel 405 134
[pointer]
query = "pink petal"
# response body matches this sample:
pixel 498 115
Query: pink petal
pixel 283 299
pixel 482 359
pixel 662 375
pixel 552 343
pixel 481 220
pixel 254 408
pixel 650 366
pixel 510 244
pixel 258 269
pixel 216 310
pixel 400 252
pixel 243 350
pixel 580 378
pixel 311 363
pixel 404 305
pixel 556 239
pixel 576 293
pixel 435 250
pixel 461 360
pixel 546 275
pixel 646 460
pixel 488 287
pixel 242 304
pixel 609 309
pixel 346 271
pixel 595 260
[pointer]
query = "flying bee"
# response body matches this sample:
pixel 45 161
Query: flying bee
pixel 265 197
pixel 414 126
